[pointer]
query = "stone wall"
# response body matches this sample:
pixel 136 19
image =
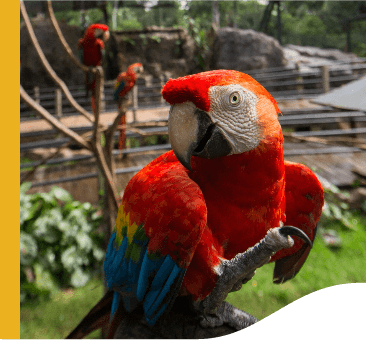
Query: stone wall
pixel 160 50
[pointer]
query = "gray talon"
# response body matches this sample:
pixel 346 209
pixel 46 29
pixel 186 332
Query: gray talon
pixel 290 230
pixel 239 270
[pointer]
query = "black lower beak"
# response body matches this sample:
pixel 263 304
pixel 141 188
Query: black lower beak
pixel 211 143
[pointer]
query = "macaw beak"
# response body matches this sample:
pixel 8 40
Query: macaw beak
pixel 192 133
pixel 106 35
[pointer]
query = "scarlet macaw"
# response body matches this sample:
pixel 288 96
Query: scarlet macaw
pixel 199 220
pixel 124 83
pixel 91 50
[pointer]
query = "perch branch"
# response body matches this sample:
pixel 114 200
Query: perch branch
pixel 45 159
pixel 98 92
pixel 107 173
pixel 48 67
pixel 52 120
pixel 96 141
pixel 123 105
pixel 64 43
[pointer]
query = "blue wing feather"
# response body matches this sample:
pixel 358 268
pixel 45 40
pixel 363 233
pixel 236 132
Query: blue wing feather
pixel 119 88
pixel 153 281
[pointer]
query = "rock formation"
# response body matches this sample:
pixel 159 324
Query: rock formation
pixel 244 50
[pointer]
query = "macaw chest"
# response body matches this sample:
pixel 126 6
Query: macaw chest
pixel 92 55
pixel 238 227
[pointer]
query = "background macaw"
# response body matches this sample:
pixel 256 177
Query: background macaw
pixel 91 50
pixel 124 83
pixel 199 220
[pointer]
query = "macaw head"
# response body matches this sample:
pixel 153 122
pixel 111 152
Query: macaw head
pixel 133 70
pixel 136 68
pixel 218 113
pixel 98 30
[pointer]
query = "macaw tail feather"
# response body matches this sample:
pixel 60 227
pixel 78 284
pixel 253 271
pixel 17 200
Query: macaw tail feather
pixel 98 317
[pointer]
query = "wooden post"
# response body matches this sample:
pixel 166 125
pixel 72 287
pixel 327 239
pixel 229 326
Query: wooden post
pixel 58 103
pixel 58 108
pixel 325 78
pixel 135 101
pixel 37 94
pixel 299 79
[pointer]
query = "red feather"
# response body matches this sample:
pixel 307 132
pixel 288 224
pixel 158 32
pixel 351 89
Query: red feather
pixel 129 78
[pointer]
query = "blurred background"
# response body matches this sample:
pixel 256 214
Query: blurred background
pixel 310 55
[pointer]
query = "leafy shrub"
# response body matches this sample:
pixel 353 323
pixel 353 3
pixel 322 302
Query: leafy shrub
pixel 59 245
pixel 336 208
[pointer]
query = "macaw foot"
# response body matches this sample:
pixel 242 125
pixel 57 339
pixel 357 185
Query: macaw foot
pixel 237 271
pixel 230 315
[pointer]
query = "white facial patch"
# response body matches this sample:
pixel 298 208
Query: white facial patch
pixel 233 110
pixel 182 126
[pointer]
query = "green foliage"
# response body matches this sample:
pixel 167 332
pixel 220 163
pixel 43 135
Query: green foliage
pixel 316 23
pixel 325 267
pixel 336 209
pixel 156 38
pixel 59 246
pixel 126 18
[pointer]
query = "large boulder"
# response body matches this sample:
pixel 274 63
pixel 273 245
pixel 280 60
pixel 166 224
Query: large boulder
pixel 32 71
pixel 244 50
pixel 311 56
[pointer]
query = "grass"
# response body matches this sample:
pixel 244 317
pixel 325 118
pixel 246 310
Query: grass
pixel 55 318
pixel 325 267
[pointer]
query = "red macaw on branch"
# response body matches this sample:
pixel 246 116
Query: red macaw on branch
pixel 125 81
pixel 199 220
pixel 91 50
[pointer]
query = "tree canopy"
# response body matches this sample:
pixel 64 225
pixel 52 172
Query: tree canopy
pixel 323 24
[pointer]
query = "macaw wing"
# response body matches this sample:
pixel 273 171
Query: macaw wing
pixel 304 201
pixel 118 88
pixel 159 224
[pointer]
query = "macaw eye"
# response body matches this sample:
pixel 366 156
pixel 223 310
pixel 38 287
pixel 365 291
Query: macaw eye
pixel 234 98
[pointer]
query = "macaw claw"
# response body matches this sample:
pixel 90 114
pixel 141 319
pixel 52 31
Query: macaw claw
pixel 293 231
pixel 228 314
pixel 240 269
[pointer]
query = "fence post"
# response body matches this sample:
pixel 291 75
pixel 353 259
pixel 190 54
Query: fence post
pixel 325 78
pixel 37 94
pixel 58 103
pixel 299 79
pixel 58 108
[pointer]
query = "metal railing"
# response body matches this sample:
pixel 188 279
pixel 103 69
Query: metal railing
pixel 282 83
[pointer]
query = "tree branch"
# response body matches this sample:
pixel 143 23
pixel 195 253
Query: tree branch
pixel 98 92
pixel 108 175
pixel 52 120
pixel 122 109
pixel 64 43
pixel 48 67
pixel 45 159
